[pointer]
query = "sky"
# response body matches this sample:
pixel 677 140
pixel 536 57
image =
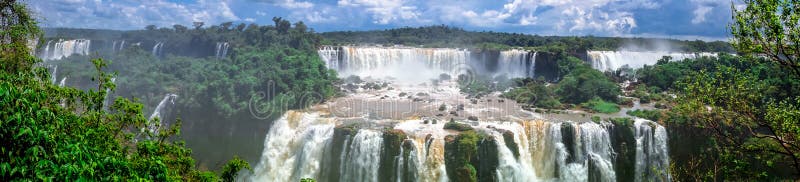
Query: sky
pixel 680 19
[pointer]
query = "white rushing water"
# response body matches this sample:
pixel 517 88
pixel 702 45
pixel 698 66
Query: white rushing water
pixel 363 157
pixel 613 60
pixel 65 48
pixel 221 50
pixel 158 113
pixel 652 157
pixel 404 63
pixel 294 148
pixel 118 45
pixel 517 63
pixel 157 49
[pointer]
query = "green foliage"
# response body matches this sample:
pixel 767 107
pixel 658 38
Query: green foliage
pixel 460 150
pixel 445 36
pixel 52 133
pixel 452 125
pixel 732 103
pixel 232 167
pixel 307 180
pixel 625 121
pixel 481 85
pixel 534 92
pixel 770 29
pixel 582 83
pixel 598 105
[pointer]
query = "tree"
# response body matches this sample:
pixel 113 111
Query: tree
pixel 198 24
pixel 769 28
pixel 150 27
pixel 54 133
pixel 226 25
pixel 179 28
pixel 753 131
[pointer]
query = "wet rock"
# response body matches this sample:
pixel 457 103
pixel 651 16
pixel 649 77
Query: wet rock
pixel 472 118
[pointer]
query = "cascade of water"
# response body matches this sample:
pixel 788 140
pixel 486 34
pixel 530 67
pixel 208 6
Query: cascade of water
pixel 63 82
pixel 330 55
pixel 363 157
pixel 395 62
pixel 613 60
pixel 427 156
pixel 294 148
pixel 53 75
pixel 157 49
pixel 511 167
pixel 652 158
pixel 122 45
pixel 46 52
pixel 66 48
pixel 516 63
pixel 153 126
pixel 221 50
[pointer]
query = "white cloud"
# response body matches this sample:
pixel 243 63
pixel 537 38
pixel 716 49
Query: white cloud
pixel 700 14
pixel 250 19
pixel 261 13
pixel 291 4
pixel 384 11
pixel 130 14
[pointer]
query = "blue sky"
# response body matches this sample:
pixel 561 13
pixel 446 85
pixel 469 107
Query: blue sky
pixel 682 19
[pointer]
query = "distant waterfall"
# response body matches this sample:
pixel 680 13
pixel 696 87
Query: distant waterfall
pixel 222 49
pixel 118 45
pixel 425 63
pixel 517 63
pixel 652 156
pixel 65 48
pixel 158 113
pixel 613 60
pixel 54 74
pixel 405 63
pixel 157 49
pixel 63 81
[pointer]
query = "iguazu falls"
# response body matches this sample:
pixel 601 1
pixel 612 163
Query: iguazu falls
pixel 400 90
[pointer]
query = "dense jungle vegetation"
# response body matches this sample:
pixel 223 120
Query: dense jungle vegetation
pixel 53 133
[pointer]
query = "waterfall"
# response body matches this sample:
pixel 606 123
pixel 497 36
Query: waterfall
pixel 426 63
pixel 363 157
pixel 395 62
pixel 427 156
pixel 53 75
pixel 65 48
pixel 46 52
pixel 120 46
pixel 63 81
pixel 652 158
pixel 330 55
pixel 613 60
pixel 222 49
pixel 541 151
pixel 158 112
pixel 294 148
pixel 157 49
pixel 516 63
